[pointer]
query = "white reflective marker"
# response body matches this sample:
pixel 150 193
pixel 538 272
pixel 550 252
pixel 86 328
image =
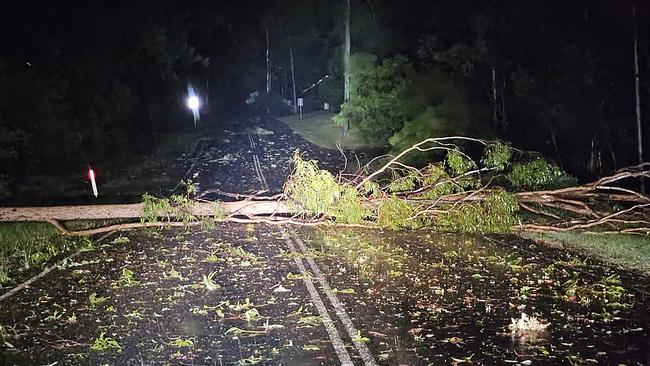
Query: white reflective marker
pixel 91 175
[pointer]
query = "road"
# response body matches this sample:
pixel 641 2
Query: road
pixel 268 153
pixel 257 294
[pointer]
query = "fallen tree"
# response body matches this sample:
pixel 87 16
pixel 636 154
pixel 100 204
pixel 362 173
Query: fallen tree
pixel 504 190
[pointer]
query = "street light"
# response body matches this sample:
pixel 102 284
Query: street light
pixel 193 103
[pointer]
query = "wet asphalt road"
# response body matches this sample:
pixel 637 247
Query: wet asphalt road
pixel 258 159
pixel 228 162
pixel 321 296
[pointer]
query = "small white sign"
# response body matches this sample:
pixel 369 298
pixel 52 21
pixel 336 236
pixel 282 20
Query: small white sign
pixel 326 106
pixel 300 102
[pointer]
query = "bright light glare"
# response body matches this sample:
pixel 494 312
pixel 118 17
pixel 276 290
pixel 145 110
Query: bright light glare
pixel 193 102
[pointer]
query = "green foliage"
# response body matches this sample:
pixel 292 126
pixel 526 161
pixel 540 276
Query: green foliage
pixel 377 94
pixel 371 188
pixel 103 343
pixel 349 209
pixel 5 266
pixel 94 300
pixel 27 245
pixel 153 207
pixel 496 155
pixel 436 106
pixel 180 208
pixel 394 213
pixel 405 183
pixel 220 211
pixel 630 251
pixel 539 174
pixel 127 278
pixel 209 283
pixel 424 125
pixel 182 342
pixel 177 207
pixel 314 191
pixel 435 175
pixel 310 189
pixel 458 162
pixel 495 214
pixel 121 240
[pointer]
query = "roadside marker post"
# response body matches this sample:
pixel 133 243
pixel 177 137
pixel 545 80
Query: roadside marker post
pixel 300 105
pixel 91 176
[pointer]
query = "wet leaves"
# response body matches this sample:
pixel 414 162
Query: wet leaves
pixel 458 294
pixel 151 296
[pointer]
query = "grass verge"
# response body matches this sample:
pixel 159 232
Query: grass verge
pixel 628 251
pixel 318 128
pixel 26 245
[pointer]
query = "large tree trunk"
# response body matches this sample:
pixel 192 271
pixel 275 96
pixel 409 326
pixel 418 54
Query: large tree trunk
pixel 134 210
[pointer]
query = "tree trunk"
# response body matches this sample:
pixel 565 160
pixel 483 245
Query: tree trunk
pixel 135 210
pixel 557 149
pixel 495 106
pixel 293 79
pixel 346 54
pixel 504 110
pixel 637 86
pixel 268 67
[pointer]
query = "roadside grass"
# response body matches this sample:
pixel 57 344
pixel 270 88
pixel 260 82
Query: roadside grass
pixel 26 245
pixel 628 251
pixel 319 129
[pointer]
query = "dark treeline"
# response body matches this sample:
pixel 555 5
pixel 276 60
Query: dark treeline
pixel 81 82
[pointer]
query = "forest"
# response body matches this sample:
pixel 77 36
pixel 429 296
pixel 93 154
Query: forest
pixel 350 182
pixel 107 83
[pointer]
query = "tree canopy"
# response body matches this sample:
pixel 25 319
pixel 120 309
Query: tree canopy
pixel 555 76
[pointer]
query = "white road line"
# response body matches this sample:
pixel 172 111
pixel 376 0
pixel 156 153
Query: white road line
pixel 367 357
pixel 257 171
pixel 337 342
pixel 256 164
pixel 256 160
pixel 343 316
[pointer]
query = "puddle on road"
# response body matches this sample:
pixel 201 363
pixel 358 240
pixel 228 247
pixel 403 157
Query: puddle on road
pixel 424 298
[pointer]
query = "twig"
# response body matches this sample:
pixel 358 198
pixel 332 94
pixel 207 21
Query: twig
pixel 439 144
